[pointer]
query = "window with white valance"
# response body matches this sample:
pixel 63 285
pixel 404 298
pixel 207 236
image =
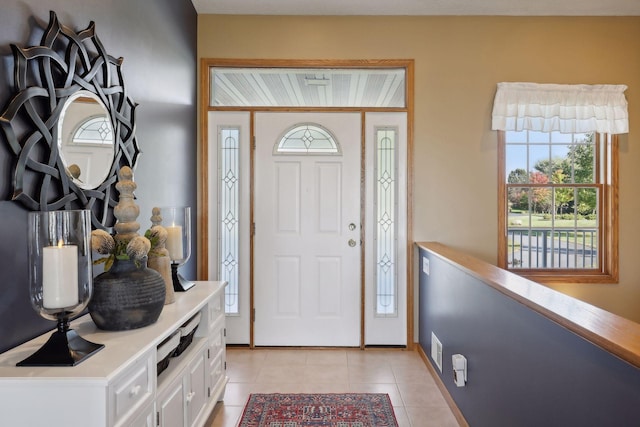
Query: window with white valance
pixel 560 108
pixel 558 180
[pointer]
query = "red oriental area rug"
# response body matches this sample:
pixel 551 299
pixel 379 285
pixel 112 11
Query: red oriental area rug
pixel 318 410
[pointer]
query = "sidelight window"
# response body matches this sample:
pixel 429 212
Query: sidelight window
pixel 229 210
pixel 385 236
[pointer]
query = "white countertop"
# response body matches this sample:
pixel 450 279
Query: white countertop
pixel 121 347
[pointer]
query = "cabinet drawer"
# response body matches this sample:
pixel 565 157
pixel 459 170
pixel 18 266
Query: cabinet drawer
pixel 216 310
pixel 216 340
pixel 217 375
pixel 132 389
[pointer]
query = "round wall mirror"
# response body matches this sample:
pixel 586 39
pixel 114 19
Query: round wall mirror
pixel 86 139
pixel 70 124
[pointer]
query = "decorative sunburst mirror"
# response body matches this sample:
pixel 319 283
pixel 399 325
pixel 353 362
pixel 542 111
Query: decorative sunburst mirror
pixel 70 124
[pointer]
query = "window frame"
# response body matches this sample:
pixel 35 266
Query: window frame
pixel 607 158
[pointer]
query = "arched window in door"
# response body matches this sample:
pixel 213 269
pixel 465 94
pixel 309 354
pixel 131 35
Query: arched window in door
pixel 95 130
pixel 307 138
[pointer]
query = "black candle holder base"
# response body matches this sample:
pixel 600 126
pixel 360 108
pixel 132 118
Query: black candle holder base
pixel 180 284
pixel 63 348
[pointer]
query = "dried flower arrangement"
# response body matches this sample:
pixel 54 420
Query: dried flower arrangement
pixel 103 243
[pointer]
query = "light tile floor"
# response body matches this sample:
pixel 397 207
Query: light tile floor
pixel 416 399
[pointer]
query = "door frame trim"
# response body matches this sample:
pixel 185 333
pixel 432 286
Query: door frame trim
pixel 203 183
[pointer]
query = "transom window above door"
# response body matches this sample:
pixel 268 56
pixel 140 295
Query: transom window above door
pixel 307 87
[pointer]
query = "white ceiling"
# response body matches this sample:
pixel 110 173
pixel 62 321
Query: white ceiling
pixel 421 7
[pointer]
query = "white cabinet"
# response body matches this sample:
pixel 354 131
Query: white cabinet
pixel 119 385
pixel 189 388
pixel 196 379
pixel 183 389
pixel 171 405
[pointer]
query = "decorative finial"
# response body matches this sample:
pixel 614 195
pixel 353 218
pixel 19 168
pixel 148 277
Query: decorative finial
pixel 156 218
pixel 126 211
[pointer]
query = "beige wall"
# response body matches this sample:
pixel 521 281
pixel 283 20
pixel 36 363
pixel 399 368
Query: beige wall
pixel 458 61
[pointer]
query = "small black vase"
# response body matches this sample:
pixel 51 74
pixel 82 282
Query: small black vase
pixel 128 296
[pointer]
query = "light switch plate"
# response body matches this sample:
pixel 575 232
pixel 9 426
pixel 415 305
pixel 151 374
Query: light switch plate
pixel 425 265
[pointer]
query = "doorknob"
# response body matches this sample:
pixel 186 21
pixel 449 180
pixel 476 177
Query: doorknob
pixel 352 242
pixel 352 226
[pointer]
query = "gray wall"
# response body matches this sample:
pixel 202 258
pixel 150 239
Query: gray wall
pixel 523 369
pixel 158 41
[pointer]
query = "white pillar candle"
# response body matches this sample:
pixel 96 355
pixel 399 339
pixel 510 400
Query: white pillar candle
pixel 60 276
pixel 174 242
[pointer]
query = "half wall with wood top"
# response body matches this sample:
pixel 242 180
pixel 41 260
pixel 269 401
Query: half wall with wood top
pixel 535 357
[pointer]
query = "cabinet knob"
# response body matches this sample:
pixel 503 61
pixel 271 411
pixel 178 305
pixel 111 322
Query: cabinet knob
pixel 134 391
pixel 190 396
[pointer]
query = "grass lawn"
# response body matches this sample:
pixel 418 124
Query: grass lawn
pixel 537 221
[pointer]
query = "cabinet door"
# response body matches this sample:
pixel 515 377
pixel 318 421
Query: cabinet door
pixel 196 387
pixel 216 356
pixel 217 377
pixel 170 405
pixel 145 419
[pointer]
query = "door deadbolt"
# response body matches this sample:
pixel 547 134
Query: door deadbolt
pixel 352 226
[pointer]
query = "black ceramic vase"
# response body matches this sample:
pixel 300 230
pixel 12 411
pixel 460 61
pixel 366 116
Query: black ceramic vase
pixel 128 296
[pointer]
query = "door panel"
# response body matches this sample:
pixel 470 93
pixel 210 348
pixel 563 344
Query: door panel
pixel 329 286
pixel 288 197
pixel 329 198
pixel 287 286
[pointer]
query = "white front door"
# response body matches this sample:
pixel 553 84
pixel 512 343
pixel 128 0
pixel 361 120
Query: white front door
pixel 307 251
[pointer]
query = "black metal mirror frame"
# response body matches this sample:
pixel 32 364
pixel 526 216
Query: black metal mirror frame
pixel 45 76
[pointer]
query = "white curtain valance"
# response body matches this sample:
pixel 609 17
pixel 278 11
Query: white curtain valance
pixel 560 108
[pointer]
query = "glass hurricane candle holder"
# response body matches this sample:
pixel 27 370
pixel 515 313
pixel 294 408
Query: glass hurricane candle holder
pixel 60 282
pixel 177 222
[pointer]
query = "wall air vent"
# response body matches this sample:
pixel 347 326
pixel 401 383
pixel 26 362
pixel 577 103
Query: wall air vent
pixel 436 351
